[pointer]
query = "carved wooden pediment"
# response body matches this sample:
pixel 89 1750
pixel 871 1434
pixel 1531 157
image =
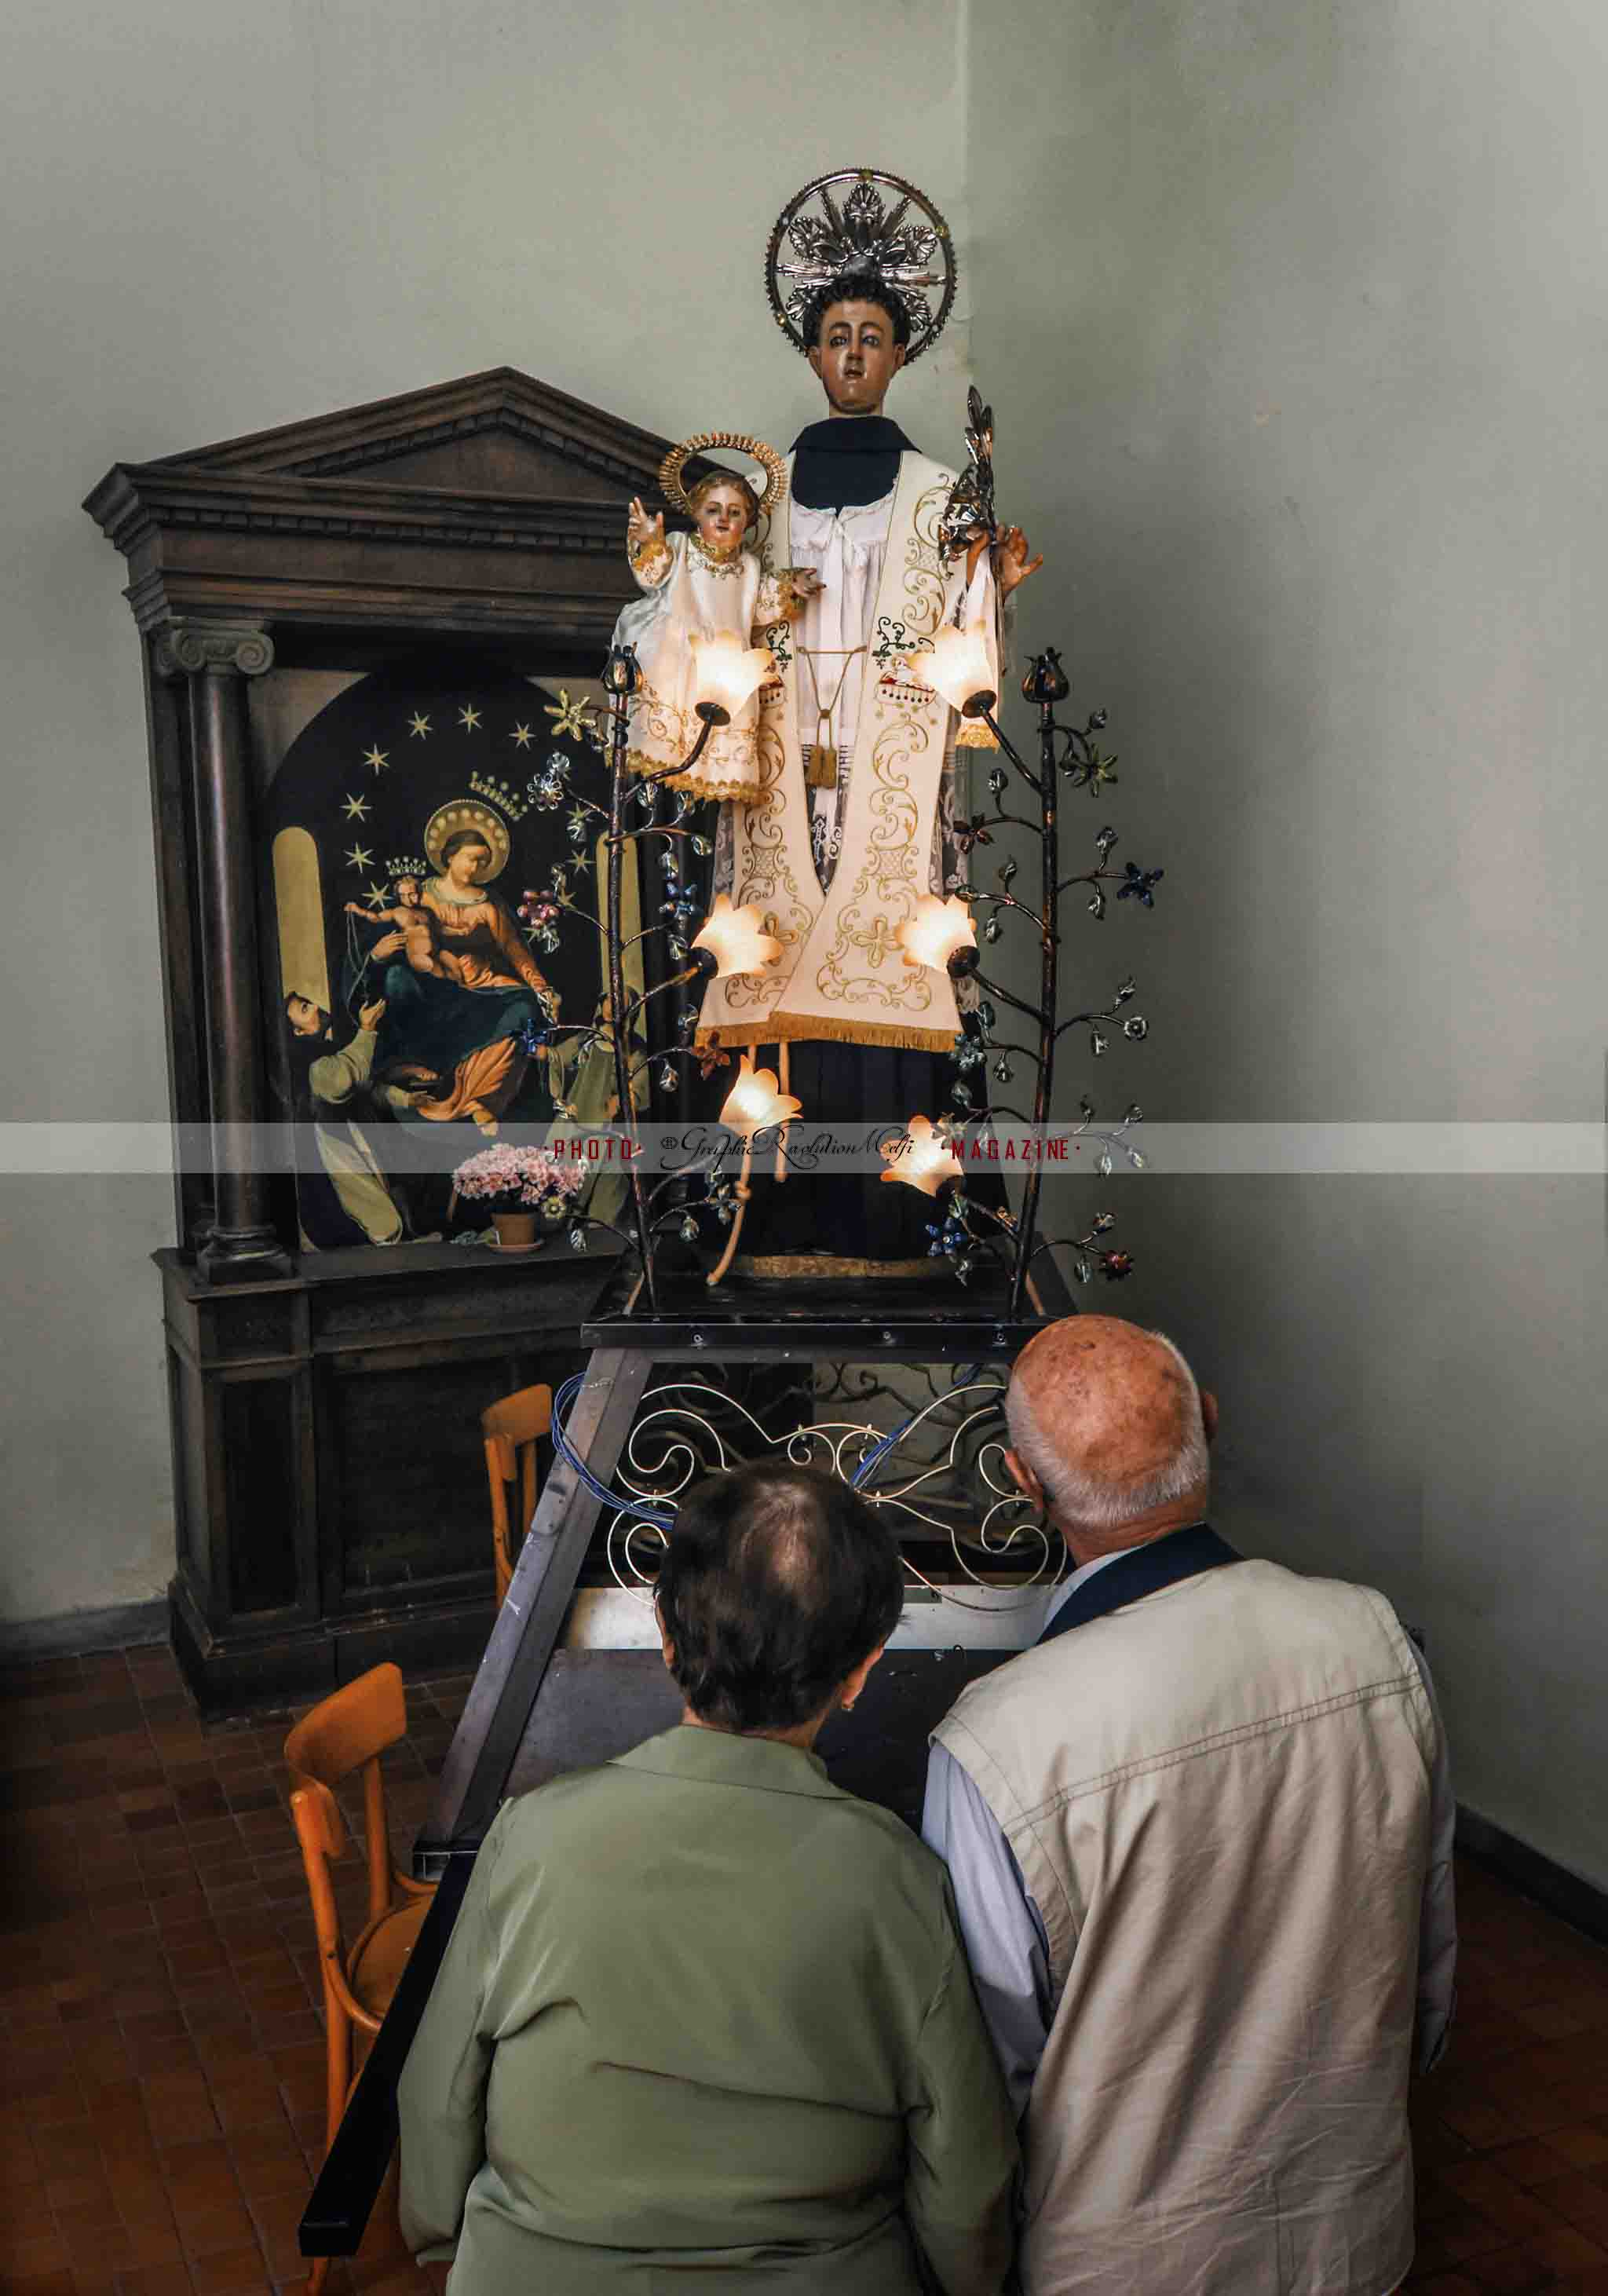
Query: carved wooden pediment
pixel 497 433
pixel 491 505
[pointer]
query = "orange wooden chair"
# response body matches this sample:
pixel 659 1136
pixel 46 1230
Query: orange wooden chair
pixel 511 1429
pixel 345 1733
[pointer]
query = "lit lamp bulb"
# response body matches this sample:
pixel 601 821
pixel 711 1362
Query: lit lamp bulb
pixel 736 939
pixel 959 668
pixel 753 1104
pixel 923 1159
pixel 725 675
pixel 936 931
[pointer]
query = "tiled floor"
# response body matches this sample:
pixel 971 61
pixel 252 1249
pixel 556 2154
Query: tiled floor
pixel 163 2060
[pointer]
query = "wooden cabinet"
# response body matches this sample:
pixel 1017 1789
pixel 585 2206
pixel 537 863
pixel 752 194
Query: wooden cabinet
pixel 330 1503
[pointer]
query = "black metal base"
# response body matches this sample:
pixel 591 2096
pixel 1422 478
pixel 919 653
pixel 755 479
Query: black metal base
pixel 904 1318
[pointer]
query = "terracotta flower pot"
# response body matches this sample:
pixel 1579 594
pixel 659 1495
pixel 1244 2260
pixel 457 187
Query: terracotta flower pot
pixel 515 1230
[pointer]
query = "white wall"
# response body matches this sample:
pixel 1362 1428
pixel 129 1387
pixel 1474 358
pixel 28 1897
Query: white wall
pixel 220 218
pixel 1300 370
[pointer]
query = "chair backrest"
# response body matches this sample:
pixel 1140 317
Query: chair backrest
pixel 345 1732
pixel 512 1428
pixel 321 1831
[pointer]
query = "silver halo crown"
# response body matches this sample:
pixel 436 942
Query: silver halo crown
pixel 842 222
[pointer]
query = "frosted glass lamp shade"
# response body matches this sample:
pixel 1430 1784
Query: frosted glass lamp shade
pixel 753 1104
pixel 725 675
pixel 736 939
pixel 936 930
pixel 923 1159
pixel 959 669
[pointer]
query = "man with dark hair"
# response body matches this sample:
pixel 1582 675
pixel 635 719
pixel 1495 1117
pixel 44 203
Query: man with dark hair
pixel 703 2015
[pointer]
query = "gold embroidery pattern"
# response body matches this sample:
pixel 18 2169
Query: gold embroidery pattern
pixel 767 880
pixel 923 563
pixel 730 565
pixel 885 892
pixel 663 734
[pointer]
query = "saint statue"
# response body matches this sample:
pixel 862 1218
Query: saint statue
pixel 852 822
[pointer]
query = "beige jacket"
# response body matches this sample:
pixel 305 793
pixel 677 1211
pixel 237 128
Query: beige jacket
pixel 1219 1799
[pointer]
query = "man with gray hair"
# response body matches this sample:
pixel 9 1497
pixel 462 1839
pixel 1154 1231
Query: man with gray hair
pixel 1200 1839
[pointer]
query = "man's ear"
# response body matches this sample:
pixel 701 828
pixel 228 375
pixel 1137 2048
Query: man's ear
pixel 814 356
pixel 1026 1481
pixel 1208 1415
pixel 665 1643
pixel 901 352
pixel 854 1681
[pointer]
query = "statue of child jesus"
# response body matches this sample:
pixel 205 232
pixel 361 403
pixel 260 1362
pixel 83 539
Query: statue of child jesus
pixel 702 584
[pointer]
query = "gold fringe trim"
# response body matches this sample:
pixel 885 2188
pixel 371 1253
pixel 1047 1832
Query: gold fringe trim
pixel 820 766
pixel 793 1264
pixel 796 1027
pixel 745 792
pixel 974 735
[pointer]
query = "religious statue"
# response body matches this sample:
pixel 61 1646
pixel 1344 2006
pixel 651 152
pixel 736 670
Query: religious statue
pixel 852 822
pixel 701 587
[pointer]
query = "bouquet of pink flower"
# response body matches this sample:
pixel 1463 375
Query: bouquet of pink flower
pixel 510 1179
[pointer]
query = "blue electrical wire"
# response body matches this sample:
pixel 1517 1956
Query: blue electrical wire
pixel 878 1451
pixel 660 1517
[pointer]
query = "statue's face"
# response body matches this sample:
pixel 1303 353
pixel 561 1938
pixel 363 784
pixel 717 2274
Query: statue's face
pixel 856 357
pixel 408 892
pixel 722 518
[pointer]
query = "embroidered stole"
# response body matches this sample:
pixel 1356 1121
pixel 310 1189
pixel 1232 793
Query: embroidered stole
pixel 841 974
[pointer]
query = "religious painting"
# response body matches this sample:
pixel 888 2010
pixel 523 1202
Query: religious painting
pixel 435 879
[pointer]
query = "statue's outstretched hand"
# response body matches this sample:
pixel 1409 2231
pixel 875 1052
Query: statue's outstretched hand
pixel 643 532
pixel 800 585
pixel 1011 563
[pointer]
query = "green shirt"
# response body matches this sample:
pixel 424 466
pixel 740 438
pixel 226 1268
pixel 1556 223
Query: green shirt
pixel 705 2023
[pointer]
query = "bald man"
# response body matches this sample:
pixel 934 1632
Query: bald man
pixel 1200 1839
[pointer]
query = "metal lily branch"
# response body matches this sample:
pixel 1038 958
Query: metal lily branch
pixel 1068 754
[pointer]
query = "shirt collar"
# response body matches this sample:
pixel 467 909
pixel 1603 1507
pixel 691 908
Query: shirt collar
pixel 721 1758
pixel 1085 1571
pixel 859 434
pixel 1069 1587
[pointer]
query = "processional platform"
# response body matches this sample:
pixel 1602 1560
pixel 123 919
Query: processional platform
pixel 537 1710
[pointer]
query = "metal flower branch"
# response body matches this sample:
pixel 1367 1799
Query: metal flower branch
pixel 941 933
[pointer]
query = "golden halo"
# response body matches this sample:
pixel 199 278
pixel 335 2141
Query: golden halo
pixel 740 443
pixel 464 813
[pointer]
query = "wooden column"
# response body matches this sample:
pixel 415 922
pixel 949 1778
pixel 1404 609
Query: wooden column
pixel 216 659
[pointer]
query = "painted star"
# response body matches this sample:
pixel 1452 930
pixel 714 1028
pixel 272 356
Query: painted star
pixel 359 859
pixel 377 757
pixel 569 717
pixel 376 894
pixel 356 808
pixel 522 736
pixel 418 726
pixel 469 717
